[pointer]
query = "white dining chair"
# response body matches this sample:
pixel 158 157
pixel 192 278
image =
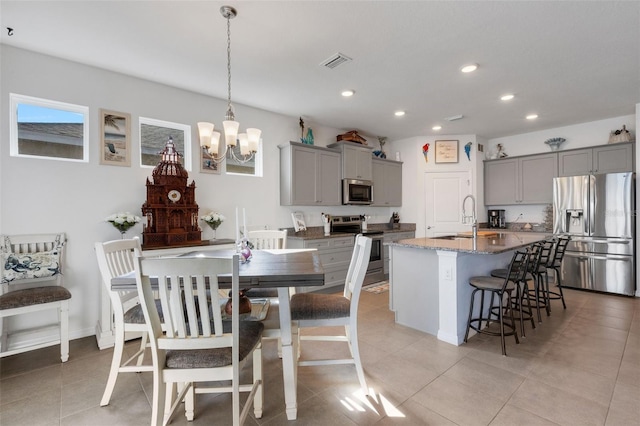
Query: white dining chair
pixel 118 258
pixel 265 239
pixel 327 310
pixel 31 281
pixel 199 351
pixel 268 239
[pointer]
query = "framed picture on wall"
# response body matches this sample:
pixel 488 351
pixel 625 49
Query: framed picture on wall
pixel 447 151
pixel 115 138
pixel 207 163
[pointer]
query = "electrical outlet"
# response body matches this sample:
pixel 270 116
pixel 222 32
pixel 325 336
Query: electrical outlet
pixel 447 274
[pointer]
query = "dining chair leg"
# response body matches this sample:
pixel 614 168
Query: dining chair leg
pixel 116 361
pixel 258 400
pixel 513 321
pixel 189 401
pixel 525 293
pixel 158 400
pixel 64 330
pixel 144 340
pixel 352 336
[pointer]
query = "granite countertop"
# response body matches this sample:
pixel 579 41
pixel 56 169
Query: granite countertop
pixel 317 232
pixel 501 243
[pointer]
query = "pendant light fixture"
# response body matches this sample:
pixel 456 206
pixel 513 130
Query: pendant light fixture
pixel 209 139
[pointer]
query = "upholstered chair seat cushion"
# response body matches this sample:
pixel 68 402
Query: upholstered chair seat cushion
pixel 250 336
pixel 136 316
pixel 307 306
pixel 490 283
pixel 33 296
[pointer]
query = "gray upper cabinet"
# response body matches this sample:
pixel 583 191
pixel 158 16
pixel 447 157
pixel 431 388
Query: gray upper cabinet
pixel 520 180
pixel 387 183
pixel 612 158
pixel 356 160
pixel 309 175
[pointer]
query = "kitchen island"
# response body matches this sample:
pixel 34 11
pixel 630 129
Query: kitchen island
pixel 429 278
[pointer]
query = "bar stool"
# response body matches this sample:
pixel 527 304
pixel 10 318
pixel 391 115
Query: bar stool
pixel 522 287
pixel 555 263
pixel 541 279
pixel 497 287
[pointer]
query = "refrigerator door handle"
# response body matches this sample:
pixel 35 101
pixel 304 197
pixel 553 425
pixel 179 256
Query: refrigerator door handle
pixel 590 202
pixel 597 257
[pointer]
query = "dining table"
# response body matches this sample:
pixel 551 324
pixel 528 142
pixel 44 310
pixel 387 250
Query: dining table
pixel 281 269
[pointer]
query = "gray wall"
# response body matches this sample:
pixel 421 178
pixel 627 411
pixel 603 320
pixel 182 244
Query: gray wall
pixel 39 196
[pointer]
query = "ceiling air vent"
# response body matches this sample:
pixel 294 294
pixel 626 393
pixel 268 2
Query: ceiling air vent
pixel 335 60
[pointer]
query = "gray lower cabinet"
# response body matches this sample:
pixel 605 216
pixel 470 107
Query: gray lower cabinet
pixel 613 158
pixel 335 255
pixel 309 175
pixel 387 183
pixel 393 237
pixel 520 180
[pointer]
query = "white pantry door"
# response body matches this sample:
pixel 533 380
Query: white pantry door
pixel 444 193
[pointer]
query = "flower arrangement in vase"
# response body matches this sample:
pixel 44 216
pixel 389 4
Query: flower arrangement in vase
pixel 214 220
pixel 123 221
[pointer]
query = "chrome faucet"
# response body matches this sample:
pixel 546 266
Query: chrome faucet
pixel 466 218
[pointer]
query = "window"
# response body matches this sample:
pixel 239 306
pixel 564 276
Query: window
pixel 42 128
pixel 154 135
pixel 250 168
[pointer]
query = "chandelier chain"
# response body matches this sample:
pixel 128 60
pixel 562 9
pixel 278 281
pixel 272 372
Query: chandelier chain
pixel 229 62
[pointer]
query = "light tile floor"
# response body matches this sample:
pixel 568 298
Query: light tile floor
pixel 581 366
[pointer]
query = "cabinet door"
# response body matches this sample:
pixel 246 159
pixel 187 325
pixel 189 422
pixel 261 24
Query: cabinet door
pixel 328 183
pixel 356 163
pixel 613 159
pixel 500 182
pixel 387 183
pixel 575 163
pixel 536 178
pixel 304 176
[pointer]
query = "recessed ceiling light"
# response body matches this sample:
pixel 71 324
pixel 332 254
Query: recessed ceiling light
pixel 507 97
pixel 469 68
pixel 399 113
pixel 347 93
pixel 532 116
pixel 436 128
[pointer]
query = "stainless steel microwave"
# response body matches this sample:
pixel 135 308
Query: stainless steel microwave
pixel 355 191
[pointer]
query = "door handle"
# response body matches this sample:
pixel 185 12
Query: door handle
pixel 430 227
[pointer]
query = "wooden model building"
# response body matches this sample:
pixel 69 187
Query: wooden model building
pixel 170 209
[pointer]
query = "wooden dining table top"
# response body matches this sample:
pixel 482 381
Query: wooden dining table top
pixel 266 269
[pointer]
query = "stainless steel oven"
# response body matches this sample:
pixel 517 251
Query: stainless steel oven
pixel 353 225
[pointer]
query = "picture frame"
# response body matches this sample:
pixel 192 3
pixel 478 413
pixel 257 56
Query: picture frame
pixel 207 163
pixel 447 151
pixel 115 138
pixel 298 221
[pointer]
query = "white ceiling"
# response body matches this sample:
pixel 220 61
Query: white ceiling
pixel 569 62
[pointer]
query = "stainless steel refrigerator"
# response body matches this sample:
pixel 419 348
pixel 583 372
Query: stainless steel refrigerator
pixel 599 213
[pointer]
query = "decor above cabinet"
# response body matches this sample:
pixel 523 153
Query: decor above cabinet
pixel 309 175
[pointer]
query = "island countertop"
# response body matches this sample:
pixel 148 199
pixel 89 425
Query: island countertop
pixel 500 243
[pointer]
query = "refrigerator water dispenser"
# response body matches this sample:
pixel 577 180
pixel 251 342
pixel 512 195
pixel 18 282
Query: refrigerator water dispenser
pixel 574 221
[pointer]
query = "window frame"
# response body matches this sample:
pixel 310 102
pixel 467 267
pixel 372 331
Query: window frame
pixel 187 162
pixel 14 148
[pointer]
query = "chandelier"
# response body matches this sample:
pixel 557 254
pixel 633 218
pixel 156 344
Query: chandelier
pixel 210 140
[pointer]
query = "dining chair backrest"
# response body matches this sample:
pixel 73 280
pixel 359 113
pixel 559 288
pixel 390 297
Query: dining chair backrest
pixel 190 300
pixel 535 256
pixel 268 239
pixel 357 270
pixel 117 258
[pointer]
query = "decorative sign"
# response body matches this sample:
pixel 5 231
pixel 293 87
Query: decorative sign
pixel 446 151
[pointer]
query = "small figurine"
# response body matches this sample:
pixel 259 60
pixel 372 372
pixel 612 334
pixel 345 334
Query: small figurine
pixel 467 150
pixel 425 152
